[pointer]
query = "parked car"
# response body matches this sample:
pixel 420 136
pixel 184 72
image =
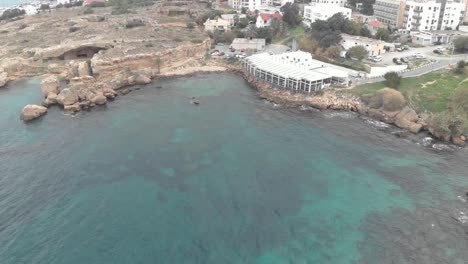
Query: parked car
pixel 404 60
pixel 214 51
pixel 440 49
pixel 400 49
pixel 221 54
pixel 418 55
pixel 397 61
pixel 232 49
pixel 437 51
pixel 377 58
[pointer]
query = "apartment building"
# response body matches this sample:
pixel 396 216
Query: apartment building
pixel 390 12
pixel 452 15
pixel 336 2
pixel 323 12
pixel 251 5
pixel 422 15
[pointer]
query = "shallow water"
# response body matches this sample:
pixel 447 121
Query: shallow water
pixel 151 178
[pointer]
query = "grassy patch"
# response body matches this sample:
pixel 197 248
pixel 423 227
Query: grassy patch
pixel 431 92
pixel 295 32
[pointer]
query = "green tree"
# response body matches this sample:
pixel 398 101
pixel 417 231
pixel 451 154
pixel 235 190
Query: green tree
pixel 265 33
pixel 251 31
pixel 382 34
pixel 461 44
pixel 158 63
pixel 244 10
pixel 277 27
pixel 333 52
pixel 358 52
pixel 243 23
pixel 291 14
pixel 392 79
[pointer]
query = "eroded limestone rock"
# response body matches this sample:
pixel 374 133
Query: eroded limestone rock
pixel 32 111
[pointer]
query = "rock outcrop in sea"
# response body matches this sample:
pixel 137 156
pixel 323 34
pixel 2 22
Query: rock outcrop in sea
pixel 31 112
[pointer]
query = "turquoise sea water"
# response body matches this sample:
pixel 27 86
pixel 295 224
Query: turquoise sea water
pixel 151 178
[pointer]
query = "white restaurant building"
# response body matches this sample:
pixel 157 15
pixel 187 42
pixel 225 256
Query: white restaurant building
pixel 295 71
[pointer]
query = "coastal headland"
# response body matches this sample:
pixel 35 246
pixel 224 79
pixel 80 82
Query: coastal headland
pixel 89 59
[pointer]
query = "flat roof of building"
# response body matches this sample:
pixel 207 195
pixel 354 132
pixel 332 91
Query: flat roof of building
pixel 296 65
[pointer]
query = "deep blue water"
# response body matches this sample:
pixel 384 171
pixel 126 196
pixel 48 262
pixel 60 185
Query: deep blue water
pixel 151 178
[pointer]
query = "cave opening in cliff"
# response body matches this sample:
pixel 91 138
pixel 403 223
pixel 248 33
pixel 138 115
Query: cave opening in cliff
pixel 81 53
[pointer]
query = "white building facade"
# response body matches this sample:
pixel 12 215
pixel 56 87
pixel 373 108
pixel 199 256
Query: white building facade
pixel 323 12
pixel 251 5
pixel 422 15
pixel 335 2
pixel 452 16
pixel 30 9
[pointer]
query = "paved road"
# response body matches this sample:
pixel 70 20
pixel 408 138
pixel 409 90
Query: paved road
pixel 443 63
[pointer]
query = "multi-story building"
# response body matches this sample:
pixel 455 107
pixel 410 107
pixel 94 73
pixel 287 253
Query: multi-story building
pixel 323 12
pixel 422 15
pixel 452 15
pixel 390 12
pixel 336 2
pixel 251 5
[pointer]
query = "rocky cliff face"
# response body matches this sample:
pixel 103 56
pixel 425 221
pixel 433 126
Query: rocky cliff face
pixel 94 82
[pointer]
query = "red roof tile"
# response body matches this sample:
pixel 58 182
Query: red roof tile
pixel 266 17
pixel 375 23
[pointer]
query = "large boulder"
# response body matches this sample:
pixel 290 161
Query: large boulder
pixel 387 99
pixel 3 78
pixel 72 108
pixel 31 112
pixel 55 68
pixel 142 79
pixel 49 85
pixel 99 99
pixel 408 119
pixel 458 140
pixel 67 97
pixel 51 99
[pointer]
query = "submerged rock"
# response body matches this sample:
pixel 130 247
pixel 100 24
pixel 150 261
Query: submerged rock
pixel 31 112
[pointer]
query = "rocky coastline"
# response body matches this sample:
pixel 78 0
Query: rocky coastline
pixel 81 84
pixel 399 115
